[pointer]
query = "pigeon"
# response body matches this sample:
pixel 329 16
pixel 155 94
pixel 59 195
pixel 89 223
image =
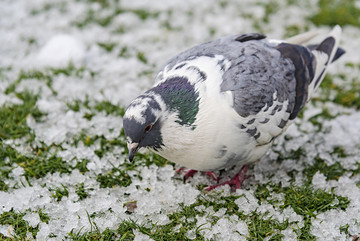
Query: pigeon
pixel 222 103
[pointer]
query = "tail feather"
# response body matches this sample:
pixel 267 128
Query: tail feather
pixel 338 54
pixel 303 37
pixel 326 52
pixel 310 63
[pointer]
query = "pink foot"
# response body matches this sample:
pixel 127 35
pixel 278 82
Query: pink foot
pixel 180 170
pixel 237 180
pixel 212 176
pixel 188 174
pixel 192 172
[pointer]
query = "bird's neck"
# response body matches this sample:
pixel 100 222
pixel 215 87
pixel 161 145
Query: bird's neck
pixel 180 97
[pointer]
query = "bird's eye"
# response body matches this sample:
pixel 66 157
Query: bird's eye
pixel 148 128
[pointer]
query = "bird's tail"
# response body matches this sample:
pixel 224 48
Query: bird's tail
pixel 303 37
pixel 325 53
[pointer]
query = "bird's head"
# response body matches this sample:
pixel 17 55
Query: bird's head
pixel 142 123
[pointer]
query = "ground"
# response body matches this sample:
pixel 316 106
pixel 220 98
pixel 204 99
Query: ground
pixel 69 68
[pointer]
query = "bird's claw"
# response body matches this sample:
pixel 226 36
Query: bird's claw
pixel 191 173
pixel 237 180
pixel 188 174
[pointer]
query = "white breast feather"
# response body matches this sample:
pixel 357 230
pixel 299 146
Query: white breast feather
pixel 215 121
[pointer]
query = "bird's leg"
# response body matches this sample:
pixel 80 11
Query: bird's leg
pixel 180 170
pixel 188 174
pixel 192 172
pixel 212 176
pixel 237 180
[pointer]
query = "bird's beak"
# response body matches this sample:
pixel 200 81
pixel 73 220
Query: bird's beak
pixel 133 147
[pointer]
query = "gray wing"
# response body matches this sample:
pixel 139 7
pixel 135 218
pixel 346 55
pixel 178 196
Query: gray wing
pixel 264 72
pixel 259 73
pixel 269 83
pixel 264 76
pixel 259 69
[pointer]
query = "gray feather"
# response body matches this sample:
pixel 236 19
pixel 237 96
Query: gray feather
pixel 256 75
pixel 305 64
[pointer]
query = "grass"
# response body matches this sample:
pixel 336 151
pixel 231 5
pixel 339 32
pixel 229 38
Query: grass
pixel 305 201
pixel 109 108
pixel 44 217
pixel 347 97
pixel 108 47
pixel 271 7
pixel 141 56
pixel 117 176
pixel 318 119
pixel 182 218
pixel 13 117
pixel 124 52
pixel 333 12
pixel 20 226
pixel 82 165
pixel 34 166
pixel 13 126
pixel 92 109
pixel 81 191
pixel 46 76
pixel 92 17
pixel 309 203
pixel 331 172
pixel 32 74
pixel 261 227
pixel 58 193
pixel 48 6
pixel 124 232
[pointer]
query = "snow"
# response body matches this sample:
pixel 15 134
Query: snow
pixel 45 34
pixel 32 218
pixel 60 50
pixel 5 230
pixel 232 227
